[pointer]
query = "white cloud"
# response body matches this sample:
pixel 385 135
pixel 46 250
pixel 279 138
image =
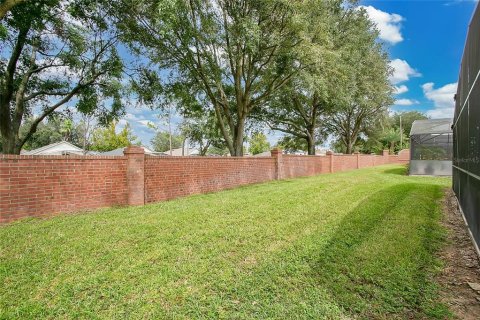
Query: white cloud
pixel 442 99
pixel 400 89
pixel 147 123
pixel 388 24
pixel 440 113
pixel 402 71
pixel 132 118
pixel 443 96
pixel 405 102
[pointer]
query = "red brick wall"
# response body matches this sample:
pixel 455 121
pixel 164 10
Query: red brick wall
pixel 344 162
pixel 172 177
pixel 298 166
pixel 39 185
pixel 367 160
pixel 42 185
pixel 403 156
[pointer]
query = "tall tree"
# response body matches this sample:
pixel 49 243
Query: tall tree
pixel 52 52
pixel 232 54
pixel 313 94
pixel 366 93
pixel 296 107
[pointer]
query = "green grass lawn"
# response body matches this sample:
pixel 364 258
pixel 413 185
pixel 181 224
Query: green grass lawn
pixel 358 244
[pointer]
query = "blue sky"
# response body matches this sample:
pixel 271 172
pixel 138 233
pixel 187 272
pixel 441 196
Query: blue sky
pixel 425 41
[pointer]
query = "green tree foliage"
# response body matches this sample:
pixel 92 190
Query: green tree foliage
pixel 229 57
pixel 292 143
pixel 107 139
pixel 408 117
pixel 161 141
pixel 385 133
pixel 201 130
pixel 54 51
pixel 342 89
pixel 296 108
pixel 391 138
pixel 366 93
pixel 258 143
pixel 217 151
pixel 55 129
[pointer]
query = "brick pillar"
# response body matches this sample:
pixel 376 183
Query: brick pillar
pixel 277 154
pixel 385 156
pixel 330 156
pixel 357 154
pixel 135 175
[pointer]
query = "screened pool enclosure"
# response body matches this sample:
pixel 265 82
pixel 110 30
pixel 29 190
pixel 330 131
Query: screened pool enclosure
pixel 431 147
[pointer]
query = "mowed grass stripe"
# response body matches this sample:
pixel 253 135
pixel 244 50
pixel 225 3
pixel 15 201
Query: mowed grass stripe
pixel 354 244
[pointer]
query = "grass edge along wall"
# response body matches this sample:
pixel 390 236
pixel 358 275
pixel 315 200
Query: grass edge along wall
pixel 33 186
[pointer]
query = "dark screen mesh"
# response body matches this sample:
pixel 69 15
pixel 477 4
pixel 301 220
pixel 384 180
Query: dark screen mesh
pixel 466 131
pixel 431 146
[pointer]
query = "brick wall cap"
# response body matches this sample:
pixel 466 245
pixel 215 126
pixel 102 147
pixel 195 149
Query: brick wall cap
pixel 133 150
pixel 276 152
pixel 329 153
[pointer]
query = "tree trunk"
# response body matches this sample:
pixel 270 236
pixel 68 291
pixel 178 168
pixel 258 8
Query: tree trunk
pixel 350 141
pixel 10 144
pixel 310 145
pixel 311 141
pixel 204 149
pixel 349 147
pixel 238 138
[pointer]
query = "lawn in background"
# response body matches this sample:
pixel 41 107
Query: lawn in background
pixel 356 244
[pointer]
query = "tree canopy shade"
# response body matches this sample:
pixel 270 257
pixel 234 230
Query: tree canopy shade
pixel 228 56
pixel 53 51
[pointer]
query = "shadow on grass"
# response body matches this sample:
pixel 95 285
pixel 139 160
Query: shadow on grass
pixel 402 171
pixel 377 262
pixel 372 268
